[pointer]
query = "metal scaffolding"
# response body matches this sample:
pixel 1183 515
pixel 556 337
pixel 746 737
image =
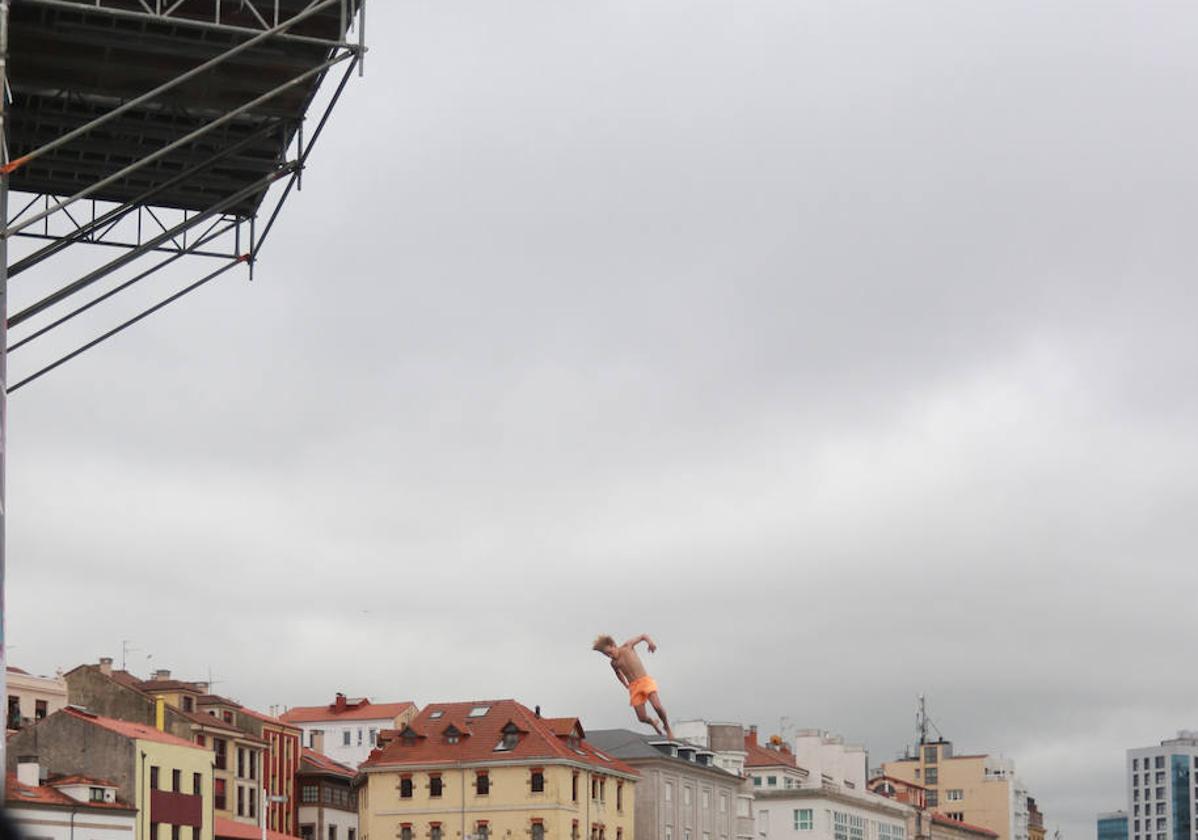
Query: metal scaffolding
pixel 149 134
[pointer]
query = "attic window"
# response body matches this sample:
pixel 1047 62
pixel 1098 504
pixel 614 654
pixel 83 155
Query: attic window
pixel 479 711
pixel 436 715
pixel 452 734
pixel 509 739
pixel 409 735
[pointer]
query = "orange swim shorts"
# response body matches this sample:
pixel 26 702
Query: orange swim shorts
pixel 640 689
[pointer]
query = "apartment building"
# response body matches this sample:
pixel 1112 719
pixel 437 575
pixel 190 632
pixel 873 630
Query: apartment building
pixel 31 698
pixel 494 768
pixel 58 808
pixel 1161 791
pixel 328 801
pixel 347 729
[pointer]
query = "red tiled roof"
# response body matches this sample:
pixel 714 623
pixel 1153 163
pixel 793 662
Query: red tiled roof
pixel 217 700
pixel 759 756
pixel 897 780
pixel 364 711
pixel 977 829
pixel 481 734
pixel 18 794
pixel 227 828
pixel 130 730
pixel 563 727
pixel 319 763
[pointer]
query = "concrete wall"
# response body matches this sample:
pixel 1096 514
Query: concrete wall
pixel 674 800
pixel 45 823
pixel 67 745
pixel 987 799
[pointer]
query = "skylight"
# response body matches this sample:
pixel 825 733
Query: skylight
pixel 479 711
pixel 439 713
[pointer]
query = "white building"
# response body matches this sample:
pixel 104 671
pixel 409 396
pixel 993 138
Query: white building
pixel 828 814
pixel 60 809
pixel 1162 801
pixel 347 729
pixel 31 698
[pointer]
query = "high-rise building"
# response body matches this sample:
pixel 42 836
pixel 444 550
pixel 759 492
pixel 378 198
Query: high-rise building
pixel 1112 826
pixel 1160 789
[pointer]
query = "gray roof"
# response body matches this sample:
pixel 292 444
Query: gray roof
pixel 633 748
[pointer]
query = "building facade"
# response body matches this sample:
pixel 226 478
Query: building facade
pixel 493 769
pixel 31 698
pixel 166 779
pixel 1161 790
pixel 682 794
pixel 328 800
pixel 829 812
pixel 347 729
pixel 174 706
pixel 923 824
pixel 980 790
pixel 66 808
pixel 1112 826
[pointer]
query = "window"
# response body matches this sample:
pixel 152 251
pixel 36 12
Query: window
pixel 1160 793
pixel 840 825
pixel 619 796
pixel 435 786
pixel 686 795
pixel 252 760
pixel 482 831
pixel 227 716
pixel 932 776
pixel 602 790
pixel 351 834
pixel 756 781
pixel 959 816
pixel 574 787
pixel 221 748
pixel 669 832
pixel 538 780
pixel 309 793
pixel 434 831
pixel 956 795
pixel 482 783
pixel 197 783
pixel 332 832
pixel 772 781
pixel 374 736
pixel 933 799
pixel 189 703
pixel 405 831
pixel 538 830
pixel 669 791
pixel 479 711
pixel 804 820
pixel 436 714
pixel 509 738
pixel 723 803
pixel 240 801
pixel 40 709
pixel 346 737
pixel 574 830
pixel 153 831
pixel 251 795
pixel 95 794
pixel 219 794
pixel 177 781
pixel 153 777
pixel 1159 762
pixel 706 799
pixel 174 832
pixel 1160 778
pixel 929 755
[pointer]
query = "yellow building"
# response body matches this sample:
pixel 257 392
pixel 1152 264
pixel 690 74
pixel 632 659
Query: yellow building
pixel 493 769
pixel 977 789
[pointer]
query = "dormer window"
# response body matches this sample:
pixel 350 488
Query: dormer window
pixel 409 736
pixel 452 734
pixel 509 739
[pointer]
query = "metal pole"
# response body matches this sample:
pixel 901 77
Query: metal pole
pixel 3 357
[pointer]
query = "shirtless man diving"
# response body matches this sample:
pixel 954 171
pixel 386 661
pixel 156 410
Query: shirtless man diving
pixel 630 671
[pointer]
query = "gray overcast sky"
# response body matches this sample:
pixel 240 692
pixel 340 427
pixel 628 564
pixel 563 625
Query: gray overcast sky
pixel 847 348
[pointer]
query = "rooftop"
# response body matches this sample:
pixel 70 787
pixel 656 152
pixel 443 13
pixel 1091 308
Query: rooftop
pixel 130 730
pixel 17 794
pixel 346 708
pixel 635 747
pixel 488 730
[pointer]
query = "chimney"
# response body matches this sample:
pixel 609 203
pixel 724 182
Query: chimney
pixel 538 711
pixel 751 738
pixel 106 666
pixel 162 674
pixel 28 771
pixel 339 702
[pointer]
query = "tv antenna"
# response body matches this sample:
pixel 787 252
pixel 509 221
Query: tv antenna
pixel 923 723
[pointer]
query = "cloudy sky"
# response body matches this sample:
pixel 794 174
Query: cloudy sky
pixel 847 348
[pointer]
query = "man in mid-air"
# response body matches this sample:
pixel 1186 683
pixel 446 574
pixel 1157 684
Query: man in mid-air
pixel 630 671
